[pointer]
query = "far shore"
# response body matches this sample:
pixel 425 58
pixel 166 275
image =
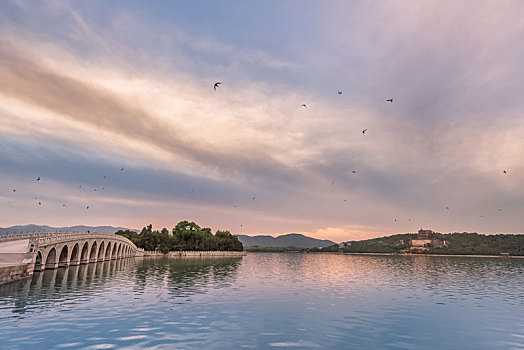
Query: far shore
pixel 452 255
pixel 395 254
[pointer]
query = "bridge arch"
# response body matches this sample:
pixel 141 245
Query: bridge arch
pixel 101 251
pixel 113 254
pixel 75 255
pixel 119 251
pixel 92 256
pixel 50 261
pixel 108 251
pixel 63 260
pixel 84 257
pixel 38 261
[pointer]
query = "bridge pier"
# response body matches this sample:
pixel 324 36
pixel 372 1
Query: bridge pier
pixel 75 262
pixel 51 266
pixel 39 268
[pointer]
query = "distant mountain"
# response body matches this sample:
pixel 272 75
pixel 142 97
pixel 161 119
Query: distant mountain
pixel 289 240
pixel 45 228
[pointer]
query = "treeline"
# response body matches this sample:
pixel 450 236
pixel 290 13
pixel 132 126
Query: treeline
pixel 474 243
pixel 455 243
pixel 390 244
pixel 184 236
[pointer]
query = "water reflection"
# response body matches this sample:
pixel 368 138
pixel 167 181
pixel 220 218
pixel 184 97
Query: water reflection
pixel 270 300
pixel 73 284
pixel 184 277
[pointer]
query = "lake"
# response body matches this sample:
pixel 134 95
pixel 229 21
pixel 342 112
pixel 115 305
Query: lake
pixel 265 300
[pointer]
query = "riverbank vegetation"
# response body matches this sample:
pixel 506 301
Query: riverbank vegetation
pixel 184 236
pixel 452 243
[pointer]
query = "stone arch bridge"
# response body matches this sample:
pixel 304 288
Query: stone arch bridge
pixel 54 250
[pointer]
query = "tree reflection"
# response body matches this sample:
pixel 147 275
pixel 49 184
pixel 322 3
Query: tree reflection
pixel 184 277
pixel 74 284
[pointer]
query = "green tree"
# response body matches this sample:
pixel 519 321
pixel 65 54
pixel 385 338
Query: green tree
pixel 131 235
pixel 185 236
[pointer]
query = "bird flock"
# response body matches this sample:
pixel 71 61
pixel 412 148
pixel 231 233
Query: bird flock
pixel 216 85
pixel 390 100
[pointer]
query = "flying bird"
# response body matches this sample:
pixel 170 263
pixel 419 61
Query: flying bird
pixel 447 208
pixel 122 169
pixel 14 190
pixel 88 207
pixel 39 203
pixel 353 171
pixel 216 85
pixel 389 100
pixel 504 171
pixel 364 131
pixel 332 182
pixel 38 179
pixel 253 198
pixel 340 92
pixel 304 105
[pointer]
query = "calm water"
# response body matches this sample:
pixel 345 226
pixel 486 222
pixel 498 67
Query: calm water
pixel 270 301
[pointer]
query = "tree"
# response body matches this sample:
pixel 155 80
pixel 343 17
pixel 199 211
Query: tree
pixel 131 235
pixel 185 236
pixel 227 241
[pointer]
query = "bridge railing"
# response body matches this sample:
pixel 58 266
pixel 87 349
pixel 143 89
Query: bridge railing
pixel 42 238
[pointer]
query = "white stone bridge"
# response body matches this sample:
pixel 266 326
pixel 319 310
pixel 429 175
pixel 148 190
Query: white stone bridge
pixel 51 250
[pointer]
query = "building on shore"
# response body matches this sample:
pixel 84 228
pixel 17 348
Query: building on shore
pixel 424 241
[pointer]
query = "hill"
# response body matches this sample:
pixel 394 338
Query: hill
pixel 45 228
pixel 289 240
pixel 449 243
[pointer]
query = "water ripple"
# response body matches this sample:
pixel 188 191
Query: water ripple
pixel 270 300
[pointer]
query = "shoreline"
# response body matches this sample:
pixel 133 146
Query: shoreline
pixel 448 255
pixel 193 254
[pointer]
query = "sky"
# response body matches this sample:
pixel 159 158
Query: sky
pixel 112 105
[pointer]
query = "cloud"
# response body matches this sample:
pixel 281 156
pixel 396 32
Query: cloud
pixel 88 92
